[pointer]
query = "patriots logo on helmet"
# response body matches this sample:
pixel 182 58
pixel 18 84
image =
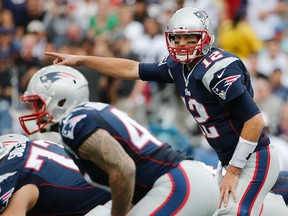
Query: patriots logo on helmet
pixel 223 85
pixel 202 15
pixel 68 128
pixel 50 78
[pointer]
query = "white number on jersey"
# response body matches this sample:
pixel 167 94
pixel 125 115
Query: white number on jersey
pixel 210 132
pixel 35 160
pixel 139 135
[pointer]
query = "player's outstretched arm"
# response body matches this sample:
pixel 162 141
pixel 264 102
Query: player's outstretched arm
pixel 114 67
pixel 106 152
pixel 22 201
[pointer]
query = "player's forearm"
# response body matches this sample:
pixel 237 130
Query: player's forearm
pixel 114 67
pixel 247 143
pixel 252 129
pixel 122 188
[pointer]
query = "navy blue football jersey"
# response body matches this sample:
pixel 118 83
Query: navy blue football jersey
pixel 152 157
pixel 62 188
pixel 207 91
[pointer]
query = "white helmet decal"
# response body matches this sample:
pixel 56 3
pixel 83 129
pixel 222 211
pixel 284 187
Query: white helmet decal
pixel 8 141
pixel 48 79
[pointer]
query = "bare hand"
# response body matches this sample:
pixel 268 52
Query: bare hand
pixel 228 185
pixel 64 59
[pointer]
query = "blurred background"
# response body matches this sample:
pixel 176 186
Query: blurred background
pixel 255 30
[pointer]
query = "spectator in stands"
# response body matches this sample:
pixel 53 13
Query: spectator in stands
pixel 38 28
pixel 238 37
pixel 270 58
pixel 6 17
pixel 266 101
pixel 104 21
pixel 140 9
pixel 132 29
pixel 83 11
pixel 57 21
pixel 278 88
pixel 282 127
pixel 7 52
pixel 264 16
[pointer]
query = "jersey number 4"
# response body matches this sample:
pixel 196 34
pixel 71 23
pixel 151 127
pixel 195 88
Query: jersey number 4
pixel 139 136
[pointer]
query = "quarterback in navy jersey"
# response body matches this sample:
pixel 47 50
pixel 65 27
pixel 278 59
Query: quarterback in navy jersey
pixel 144 175
pixel 207 96
pixel 38 178
pixel 216 89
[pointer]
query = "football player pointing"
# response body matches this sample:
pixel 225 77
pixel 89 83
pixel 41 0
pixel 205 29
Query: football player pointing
pixel 216 89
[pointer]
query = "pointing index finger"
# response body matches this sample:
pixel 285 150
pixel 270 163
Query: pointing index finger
pixel 51 54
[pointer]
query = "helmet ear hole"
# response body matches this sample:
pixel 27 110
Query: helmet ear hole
pixel 61 103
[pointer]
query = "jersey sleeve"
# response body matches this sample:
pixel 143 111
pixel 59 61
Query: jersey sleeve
pixel 243 107
pixel 155 72
pixel 77 128
pixel 8 185
pixel 226 80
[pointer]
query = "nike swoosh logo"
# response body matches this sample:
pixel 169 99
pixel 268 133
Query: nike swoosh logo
pixel 220 75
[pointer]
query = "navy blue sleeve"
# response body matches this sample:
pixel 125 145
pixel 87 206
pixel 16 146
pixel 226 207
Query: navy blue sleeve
pixel 155 72
pixel 8 187
pixel 75 131
pixel 243 107
pixel 229 83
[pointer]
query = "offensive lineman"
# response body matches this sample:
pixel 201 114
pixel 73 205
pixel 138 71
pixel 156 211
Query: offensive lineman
pixel 38 178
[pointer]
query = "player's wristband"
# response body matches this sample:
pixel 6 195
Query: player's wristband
pixel 243 150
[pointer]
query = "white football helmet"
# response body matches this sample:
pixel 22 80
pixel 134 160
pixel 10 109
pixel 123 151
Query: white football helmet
pixel 7 142
pixel 53 92
pixel 189 20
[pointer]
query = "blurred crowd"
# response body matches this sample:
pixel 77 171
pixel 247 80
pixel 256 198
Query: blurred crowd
pixel 255 30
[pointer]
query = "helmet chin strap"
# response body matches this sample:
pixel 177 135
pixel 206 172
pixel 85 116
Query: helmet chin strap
pixel 54 127
pixel 51 128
